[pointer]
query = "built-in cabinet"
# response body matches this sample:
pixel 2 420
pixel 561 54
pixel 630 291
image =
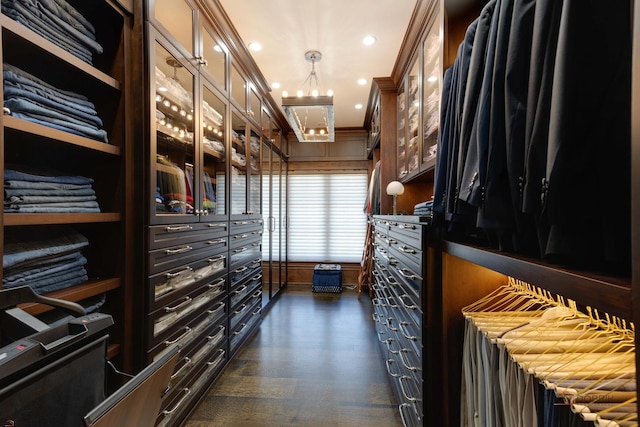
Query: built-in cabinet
pixel 210 129
pixel 457 272
pixel 95 84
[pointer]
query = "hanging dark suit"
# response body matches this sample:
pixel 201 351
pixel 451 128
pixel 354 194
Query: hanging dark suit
pixel 516 92
pixel 495 214
pixel 442 155
pixel 463 212
pixel 474 170
pixel 544 42
pixel 588 173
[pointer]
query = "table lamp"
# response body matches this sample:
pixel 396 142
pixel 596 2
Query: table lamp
pixel 395 188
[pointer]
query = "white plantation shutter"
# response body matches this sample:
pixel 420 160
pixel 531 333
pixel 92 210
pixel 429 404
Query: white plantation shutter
pixel 326 218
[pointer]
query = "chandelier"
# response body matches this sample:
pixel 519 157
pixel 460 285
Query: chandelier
pixel 310 116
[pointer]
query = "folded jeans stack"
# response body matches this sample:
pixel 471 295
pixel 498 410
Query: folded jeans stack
pixel 58 22
pixel 29 98
pixel 29 193
pixel 424 208
pixel 45 258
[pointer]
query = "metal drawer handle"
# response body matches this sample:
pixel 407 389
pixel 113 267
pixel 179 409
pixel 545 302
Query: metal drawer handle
pixel 405 362
pixel 220 224
pixel 178 228
pixel 237 251
pixel 388 343
pixel 240 236
pixel 256 244
pixel 409 275
pixel 393 261
pixel 407 226
pixel 186 392
pixel 215 310
pixel 405 333
pixel 404 392
pixel 218 359
pixel 186 332
pixel 216 259
pixel 408 307
pixel 240 222
pixel 218 334
pixel 178 273
pixel 178 251
pixel 256 294
pixel 241 269
pixel 404 407
pixel 215 242
pixel 244 306
pixel 256 277
pixel 257 312
pixel 218 282
pixel 388 363
pixel 187 363
pixel 240 290
pixel 186 301
pixel 407 249
pixel 244 325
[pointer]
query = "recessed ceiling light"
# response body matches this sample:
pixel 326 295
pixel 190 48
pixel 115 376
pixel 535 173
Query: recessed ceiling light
pixel 330 92
pixel 362 82
pixel 255 46
pixel 358 106
pixel 275 85
pixel 368 40
pixel 217 48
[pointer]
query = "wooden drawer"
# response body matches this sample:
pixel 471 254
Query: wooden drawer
pixel 162 236
pixel 243 239
pixel 164 259
pixel 178 313
pixel 253 286
pixel 244 226
pixel 407 233
pixel 244 254
pixel 170 285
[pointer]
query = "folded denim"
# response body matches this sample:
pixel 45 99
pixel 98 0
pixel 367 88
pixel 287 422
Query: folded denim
pixel 61 285
pixel 87 204
pixel 17 200
pixel 98 135
pixel 47 104
pixel 37 265
pixel 16 175
pixel 51 209
pixel 41 28
pixel 41 243
pixel 19 106
pixel 49 12
pixel 77 103
pixel 29 276
pixel 58 277
pixel 30 192
pixel 16 75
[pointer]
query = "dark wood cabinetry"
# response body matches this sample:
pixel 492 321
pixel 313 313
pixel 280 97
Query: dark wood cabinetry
pixel 456 271
pixel 46 149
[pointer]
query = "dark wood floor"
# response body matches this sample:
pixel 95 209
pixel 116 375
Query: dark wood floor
pixel 314 362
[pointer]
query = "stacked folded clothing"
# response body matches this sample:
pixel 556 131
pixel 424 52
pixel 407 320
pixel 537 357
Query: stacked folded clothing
pixel 58 22
pixel 424 208
pixel 29 193
pixel 45 258
pixel 29 98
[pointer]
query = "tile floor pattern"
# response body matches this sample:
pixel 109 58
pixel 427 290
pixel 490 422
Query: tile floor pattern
pixel 314 362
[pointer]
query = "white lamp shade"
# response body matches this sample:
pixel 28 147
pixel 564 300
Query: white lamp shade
pixel 395 188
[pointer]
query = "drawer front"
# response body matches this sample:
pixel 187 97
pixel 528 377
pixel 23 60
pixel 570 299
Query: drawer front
pixel 243 239
pixel 172 284
pixel 241 273
pixel 244 329
pixel 401 253
pixel 209 321
pixel 162 236
pixel 408 233
pixel 251 307
pixel 252 286
pixel 175 256
pixel 244 254
pixel 243 226
pixel 177 314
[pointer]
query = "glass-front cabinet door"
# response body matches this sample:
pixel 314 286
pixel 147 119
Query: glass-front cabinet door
pixel 214 57
pixel 177 17
pixel 173 186
pixel 413 119
pixel 432 72
pixel 214 153
pixel 255 174
pixel 238 178
pixel 402 132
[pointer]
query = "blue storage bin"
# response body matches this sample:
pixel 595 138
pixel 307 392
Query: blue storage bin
pixel 327 278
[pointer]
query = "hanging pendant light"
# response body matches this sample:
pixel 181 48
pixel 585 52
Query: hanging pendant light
pixel 311 116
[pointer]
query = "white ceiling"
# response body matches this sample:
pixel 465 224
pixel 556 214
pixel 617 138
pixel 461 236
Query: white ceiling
pixel 288 28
